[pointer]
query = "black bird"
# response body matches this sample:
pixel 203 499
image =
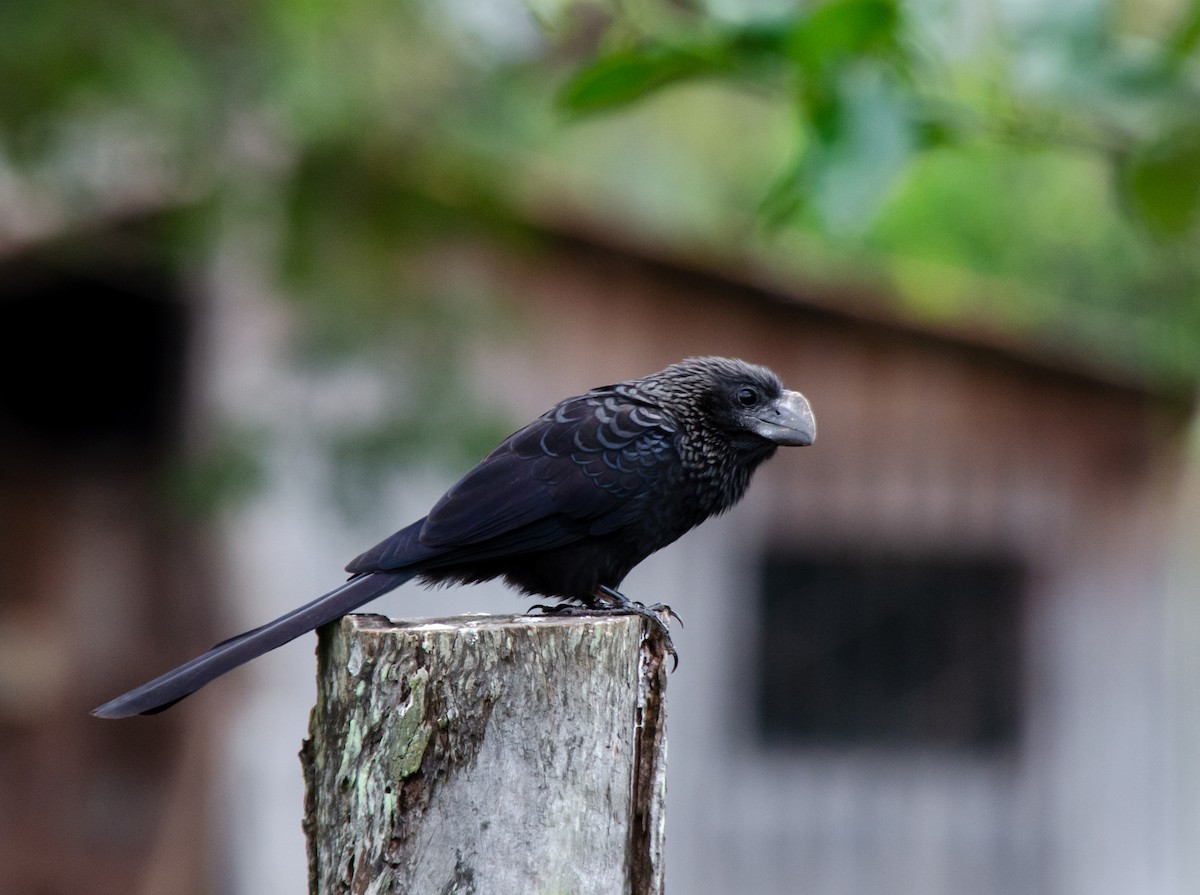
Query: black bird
pixel 563 508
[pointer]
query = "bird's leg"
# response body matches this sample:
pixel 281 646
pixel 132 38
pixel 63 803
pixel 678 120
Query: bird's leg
pixel 624 603
pixel 610 601
pixel 617 602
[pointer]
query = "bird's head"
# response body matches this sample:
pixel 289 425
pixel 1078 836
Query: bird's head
pixel 746 402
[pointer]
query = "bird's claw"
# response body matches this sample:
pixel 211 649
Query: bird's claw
pixel 560 609
pixel 664 637
pixel 658 616
pixel 664 609
pixel 654 614
pixel 612 602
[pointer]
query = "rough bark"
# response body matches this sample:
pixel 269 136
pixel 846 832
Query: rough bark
pixel 487 755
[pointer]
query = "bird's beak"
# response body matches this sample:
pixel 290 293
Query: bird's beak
pixel 788 420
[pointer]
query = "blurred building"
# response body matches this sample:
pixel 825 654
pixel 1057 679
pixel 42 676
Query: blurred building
pixel 928 654
pixel 98 581
pixel 924 656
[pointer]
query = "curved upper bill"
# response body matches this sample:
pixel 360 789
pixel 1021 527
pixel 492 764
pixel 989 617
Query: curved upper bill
pixel 788 420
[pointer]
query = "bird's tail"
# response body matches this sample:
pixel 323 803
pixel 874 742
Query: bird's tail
pixel 168 689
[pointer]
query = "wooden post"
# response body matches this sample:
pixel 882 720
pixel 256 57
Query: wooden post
pixel 487 754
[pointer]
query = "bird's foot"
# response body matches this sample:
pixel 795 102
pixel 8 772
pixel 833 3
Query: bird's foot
pixel 608 601
pixel 658 614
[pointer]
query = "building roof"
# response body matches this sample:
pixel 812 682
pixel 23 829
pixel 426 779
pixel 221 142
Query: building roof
pixel 863 303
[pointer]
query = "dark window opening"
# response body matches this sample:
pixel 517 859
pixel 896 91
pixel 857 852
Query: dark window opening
pixel 871 650
pixel 90 360
pixel 93 338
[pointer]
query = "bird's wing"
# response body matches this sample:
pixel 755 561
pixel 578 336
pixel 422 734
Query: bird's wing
pixel 580 470
pixel 585 461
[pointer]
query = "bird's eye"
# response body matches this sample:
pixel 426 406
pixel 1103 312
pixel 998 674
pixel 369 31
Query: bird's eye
pixel 747 397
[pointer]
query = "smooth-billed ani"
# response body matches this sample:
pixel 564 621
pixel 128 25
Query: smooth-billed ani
pixel 563 508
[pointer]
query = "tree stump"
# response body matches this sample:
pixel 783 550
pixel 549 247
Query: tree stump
pixel 487 754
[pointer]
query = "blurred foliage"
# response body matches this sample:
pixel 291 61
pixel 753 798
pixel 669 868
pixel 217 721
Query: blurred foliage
pixel 844 66
pixel 1043 161
pixel 1031 167
pixel 226 471
pixel 307 131
pixel 870 87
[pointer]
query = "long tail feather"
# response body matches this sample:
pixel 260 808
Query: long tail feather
pixel 166 690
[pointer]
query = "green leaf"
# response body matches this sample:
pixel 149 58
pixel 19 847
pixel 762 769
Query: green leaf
pixel 841 31
pixel 621 79
pixel 1183 42
pixel 862 141
pixel 1161 182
